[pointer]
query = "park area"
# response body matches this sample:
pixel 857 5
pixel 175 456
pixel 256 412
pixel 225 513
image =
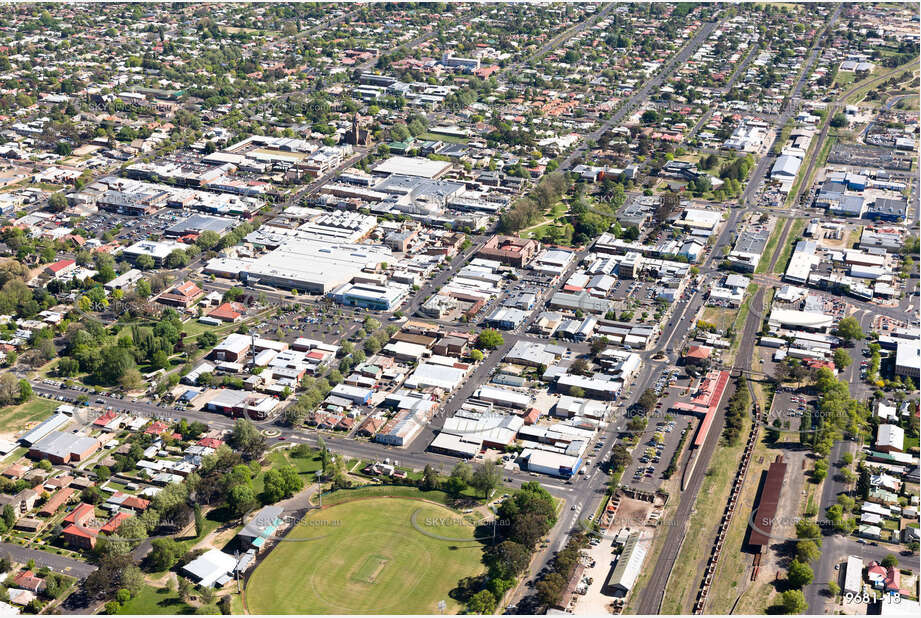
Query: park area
pixel 377 555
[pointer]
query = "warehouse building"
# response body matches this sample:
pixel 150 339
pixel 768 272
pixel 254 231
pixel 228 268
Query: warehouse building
pixel 763 522
pixel 629 566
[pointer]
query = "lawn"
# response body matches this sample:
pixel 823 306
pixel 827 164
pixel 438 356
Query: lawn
pixel 152 600
pixel 13 418
pixel 305 466
pixel 765 262
pixel 796 231
pixel 367 556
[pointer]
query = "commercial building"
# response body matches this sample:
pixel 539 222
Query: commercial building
pixel 157 250
pixel 241 403
pixel 367 296
pixel 908 359
pixel 551 463
pixel 629 566
pixel 510 250
pixel 413 166
pixel 313 266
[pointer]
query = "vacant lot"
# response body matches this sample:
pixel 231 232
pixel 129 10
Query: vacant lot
pixel 14 418
pixel 367 556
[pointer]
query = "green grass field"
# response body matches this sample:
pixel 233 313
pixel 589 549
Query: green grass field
pixel 152 600
pixel 367 556
pixel 13 418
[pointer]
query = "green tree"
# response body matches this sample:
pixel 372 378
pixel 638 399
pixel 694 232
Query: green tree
pixel 483 602
pixel 489 339
pixel 842 359
pixel 799 574
pixel 486 477
pixel 793 602
pixel 849 329
pixel 164 554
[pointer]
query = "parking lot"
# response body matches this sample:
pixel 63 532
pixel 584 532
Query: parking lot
pixel 657 445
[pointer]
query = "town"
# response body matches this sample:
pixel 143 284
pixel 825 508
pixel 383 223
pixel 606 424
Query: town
pixel 300 301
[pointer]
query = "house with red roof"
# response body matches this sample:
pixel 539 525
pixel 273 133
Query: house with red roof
pixel 61 268
pixel 156 428
pixel 29 581
pixel 210 442
pixel 228 312
pixel 181 295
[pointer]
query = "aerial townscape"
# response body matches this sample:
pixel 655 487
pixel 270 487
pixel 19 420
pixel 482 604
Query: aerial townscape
pixel 460 308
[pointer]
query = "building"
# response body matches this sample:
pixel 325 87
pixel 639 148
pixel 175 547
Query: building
pixel 61 447
pixel 413 166
pixel 182 295
pixel 212 569
pixel 367 296
pixel 853 575
pixel 786 167
pixel 762 523
pixel 908 359
pixel 890 438
pixel 510 250
pixel 234 348
pixel 44 428
pixel 261 527
pixel 157 250
pixel 628 568
pixel 61 268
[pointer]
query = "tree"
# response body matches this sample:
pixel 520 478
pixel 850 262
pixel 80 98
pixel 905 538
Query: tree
pixel 842 359
pixel 849 329
pixel 145 262
pixel 838 120
pixel 177 259
pixel 57 202
pixel 429 478
pixel 648 400
pixel 241 499
pixel 185 589
pixel 486 477
pixel 890 561
pixel 483 602
pixel 799 574
pixel 164 554
pixel 489 339
pixel 807 551
pixel 550 589
pixel 793 602
pixel 246 439
pixel 833 589
pixel 25 390
pixel 476 355
pixel 509 558
pixel 208 240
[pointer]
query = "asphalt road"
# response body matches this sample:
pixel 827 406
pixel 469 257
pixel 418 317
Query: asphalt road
pixel 60 564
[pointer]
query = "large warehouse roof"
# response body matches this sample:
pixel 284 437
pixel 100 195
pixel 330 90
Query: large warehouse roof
pixel 413 166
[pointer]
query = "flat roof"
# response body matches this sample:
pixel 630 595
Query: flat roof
pixel 413 166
